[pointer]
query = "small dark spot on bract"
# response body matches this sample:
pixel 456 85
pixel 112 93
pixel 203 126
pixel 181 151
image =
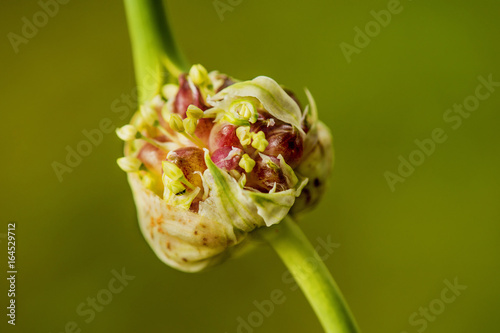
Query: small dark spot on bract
pixel 196 232
pixel 184 259
pixel 317 182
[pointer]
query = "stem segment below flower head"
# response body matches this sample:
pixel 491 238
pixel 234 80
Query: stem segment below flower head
pixel 315 280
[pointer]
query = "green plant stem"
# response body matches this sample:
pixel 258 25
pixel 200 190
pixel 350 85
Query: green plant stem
pixel 311 275
pixel 157 59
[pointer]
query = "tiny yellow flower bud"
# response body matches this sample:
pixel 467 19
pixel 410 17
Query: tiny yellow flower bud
pixel 194 112
pixel 245 109
pixel 157 101
pixel 165 111
pixel 170 90
pixel 259 141
pixel 198 74
pixel 243 134
pixel 129 164
pixel 148 180
pixel 246 163
pixel 175 187
pixel 127 132
pixel 190 125
pixel 152 182
pixel 140 123
pixel 242 180
pixel 175 122
pixel 235 174
pixel 172 171
pixel 148 114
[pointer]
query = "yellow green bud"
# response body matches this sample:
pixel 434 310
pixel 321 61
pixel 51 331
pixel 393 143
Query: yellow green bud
pixel 245 110
pixel 170 90
pixel 129 164
pixel 242 180
pixel 148 114
pixel 156 101
pixel 172 171
pixel 175 187
pixel 259 141
pixel 243 134
pixel 194 112
pixel 190 125
pixel 175 122
pixel 148 181
pixel 198 74
pixel 127 132
pixel 246 163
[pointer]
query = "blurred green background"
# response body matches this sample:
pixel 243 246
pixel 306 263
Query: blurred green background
pixel 396 247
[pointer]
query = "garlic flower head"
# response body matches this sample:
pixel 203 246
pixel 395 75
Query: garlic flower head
pixel 212 159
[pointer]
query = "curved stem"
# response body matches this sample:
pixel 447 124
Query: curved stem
pixel 311 275
pixel 157 58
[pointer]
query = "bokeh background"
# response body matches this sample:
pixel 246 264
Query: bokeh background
pixel 396 247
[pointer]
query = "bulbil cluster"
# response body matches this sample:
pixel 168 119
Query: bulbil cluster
pixel 211 142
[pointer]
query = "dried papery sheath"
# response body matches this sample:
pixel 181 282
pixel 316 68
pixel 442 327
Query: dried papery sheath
pixel 213 159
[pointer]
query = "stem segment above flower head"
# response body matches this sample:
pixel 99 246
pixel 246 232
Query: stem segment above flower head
pixel 157 58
